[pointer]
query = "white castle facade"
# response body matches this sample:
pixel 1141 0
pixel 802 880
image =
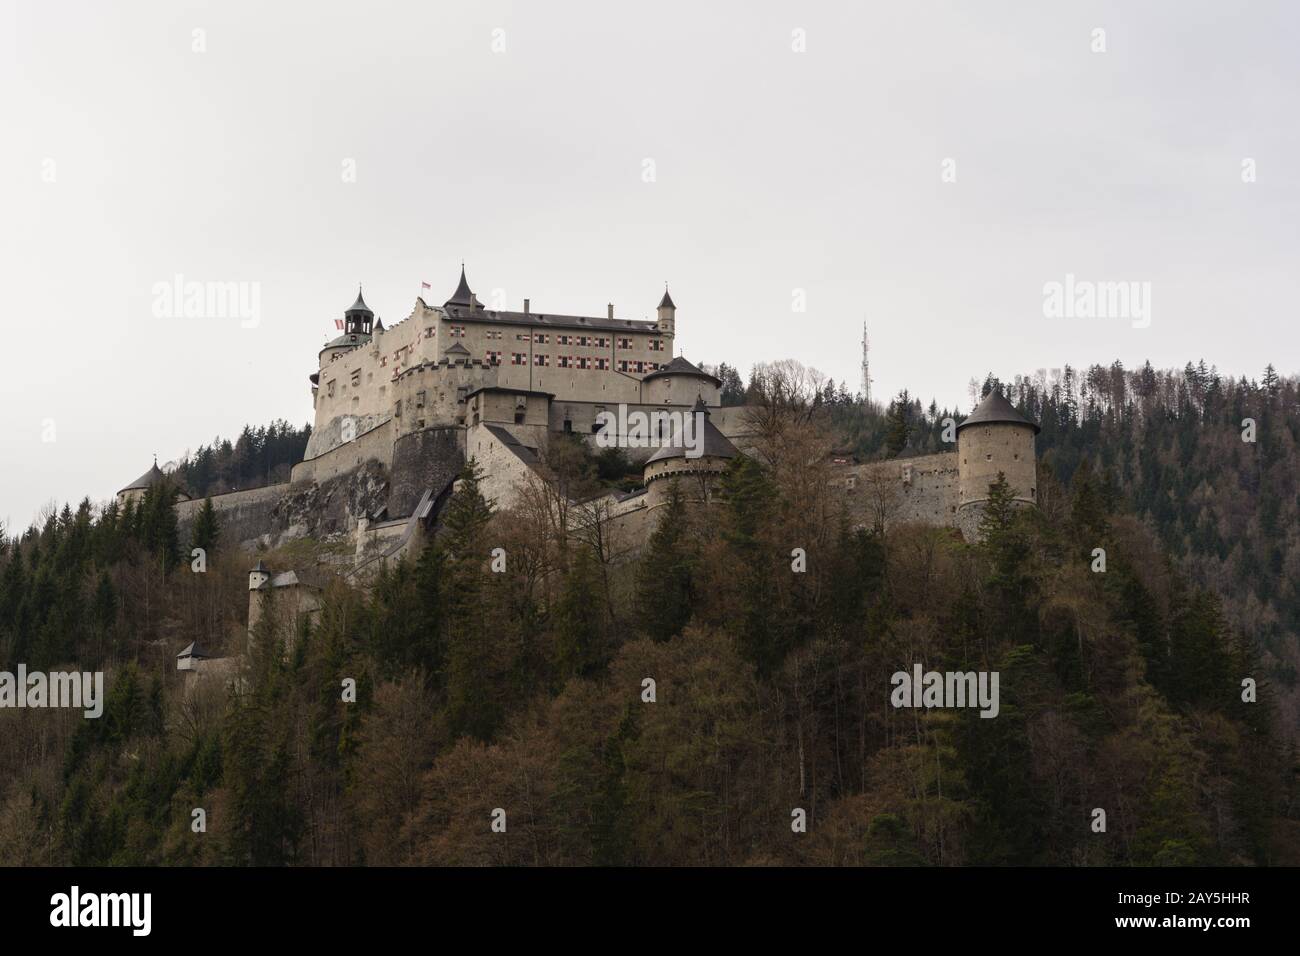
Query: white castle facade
pixel 398 412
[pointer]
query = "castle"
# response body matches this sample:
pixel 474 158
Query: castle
pixel 398 412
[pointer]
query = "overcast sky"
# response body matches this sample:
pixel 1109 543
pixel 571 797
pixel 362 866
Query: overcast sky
pixel 521 138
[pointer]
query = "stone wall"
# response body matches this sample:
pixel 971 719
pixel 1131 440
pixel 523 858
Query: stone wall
pixel 373 445
pixel 244 516
pixel 425 459
pixel 903 490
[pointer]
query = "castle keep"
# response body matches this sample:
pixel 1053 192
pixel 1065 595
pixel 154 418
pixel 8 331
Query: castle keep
pixel 399 410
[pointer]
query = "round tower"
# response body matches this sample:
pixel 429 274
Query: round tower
pixel 696 457
pixel 994 438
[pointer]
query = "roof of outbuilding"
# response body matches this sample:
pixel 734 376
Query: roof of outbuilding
pixel 996 409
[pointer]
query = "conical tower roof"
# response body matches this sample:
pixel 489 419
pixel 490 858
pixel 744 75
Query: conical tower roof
pixel 712 443
pixel 360 304
pixel 463 296
pixel 996 409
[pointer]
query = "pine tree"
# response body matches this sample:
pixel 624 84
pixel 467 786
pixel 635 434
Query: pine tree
pixel 206 530
pixel 898 427
pixel 665 585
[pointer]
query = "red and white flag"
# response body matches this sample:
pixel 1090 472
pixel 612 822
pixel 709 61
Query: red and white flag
pixel 338 323
pixel 425 285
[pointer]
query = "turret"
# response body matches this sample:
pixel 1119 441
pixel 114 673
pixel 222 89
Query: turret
pixel 257 580
pixel 667 314
pixel 463 297
pixel 358 319
pixel 994 438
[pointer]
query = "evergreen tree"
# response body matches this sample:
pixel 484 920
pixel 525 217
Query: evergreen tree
pixel 206 530
pixel 898 426
pixel 665 585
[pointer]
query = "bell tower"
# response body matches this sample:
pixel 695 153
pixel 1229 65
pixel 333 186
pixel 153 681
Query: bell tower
pixel 358 319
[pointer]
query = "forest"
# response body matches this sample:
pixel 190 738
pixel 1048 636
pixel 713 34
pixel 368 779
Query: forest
pixel 526 691
pixel 259 456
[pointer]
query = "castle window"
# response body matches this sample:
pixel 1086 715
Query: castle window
pixel 564 361
pixel 518 358
pixel 541 360
pixel 458 331
pixel 625 343
pixel 397 410
pixel 656 345
pixel 540 338
pixel 602 342
pixel 568 427
pixel 988 457
pixel 622 365
pixel 602 364
pixel 519 415
pixel 419 399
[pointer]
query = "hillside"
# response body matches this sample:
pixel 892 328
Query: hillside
pixel 525 690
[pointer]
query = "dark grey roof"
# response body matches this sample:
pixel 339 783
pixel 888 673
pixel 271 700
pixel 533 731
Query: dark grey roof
pixel 507 391
pixel 667 300
pixel 679 366
pixel 195 649
pixel 525 454
pixel 714 445
pixel 360 304
pixel 996 409
pixel 379 324
pixel 462 295
pixel 457 348
pixel 347 340
pixel 487 317
pixel 151 478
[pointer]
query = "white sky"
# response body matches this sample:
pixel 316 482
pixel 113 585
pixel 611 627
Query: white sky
pixel 775 171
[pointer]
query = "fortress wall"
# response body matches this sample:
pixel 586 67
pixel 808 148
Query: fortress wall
pixel 425 459
pixel 243 515
pixel 902 490
pixel 377 444
pixel 435 394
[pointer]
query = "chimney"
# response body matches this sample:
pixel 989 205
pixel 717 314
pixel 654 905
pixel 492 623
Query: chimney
pixel 525 306
pixel 611 310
